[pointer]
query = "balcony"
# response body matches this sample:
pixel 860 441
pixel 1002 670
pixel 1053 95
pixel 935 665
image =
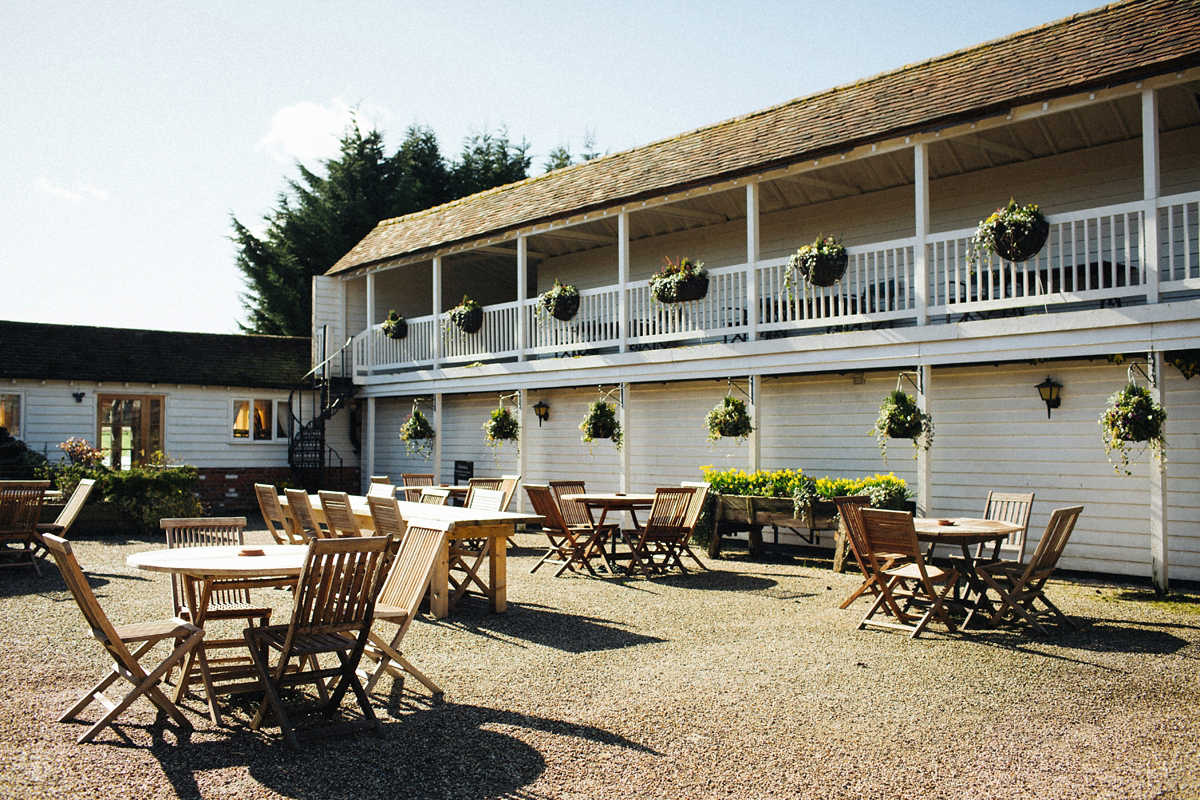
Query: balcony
pixel 1095 257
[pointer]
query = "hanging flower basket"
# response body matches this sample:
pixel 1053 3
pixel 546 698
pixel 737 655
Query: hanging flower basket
pixel 561 302
pixel 729 419
pixel 467 316
pixel 1015 233
pixel 822 263
pixel 679 282
pixel 900 418
pixel 417 434
pixel 1132 417
pixel 501 427
pixel 395 326
pixel 1186 361
pixel 601 423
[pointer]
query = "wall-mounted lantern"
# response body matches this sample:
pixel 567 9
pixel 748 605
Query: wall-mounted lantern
pixel 541 411
pixel 1049 390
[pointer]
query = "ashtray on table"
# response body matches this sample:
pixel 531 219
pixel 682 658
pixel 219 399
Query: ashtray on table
pixel 945 522
pixel 251 551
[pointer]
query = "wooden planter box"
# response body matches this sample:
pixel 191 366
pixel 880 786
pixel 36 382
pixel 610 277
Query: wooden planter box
pixel 737 513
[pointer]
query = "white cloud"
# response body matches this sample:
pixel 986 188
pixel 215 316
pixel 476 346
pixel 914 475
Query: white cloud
pixel 306 131
pixel 74 195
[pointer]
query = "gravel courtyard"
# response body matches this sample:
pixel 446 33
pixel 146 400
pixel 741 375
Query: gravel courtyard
pixel 743 682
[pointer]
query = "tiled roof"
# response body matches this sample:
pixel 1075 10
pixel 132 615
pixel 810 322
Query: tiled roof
pixel 1113 44
pixel 75 352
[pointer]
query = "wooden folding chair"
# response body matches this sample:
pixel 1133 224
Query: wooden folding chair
pixel 20 507
pixel 1013 508
pixel 381 490
pixel 66 518
pixel 849 509
pixel 480 483
pixel 695 513
pixel 212 532
pixel 116 642
pixel 382 480
pixel 435 496
pixel 508 485
pixel 468 555
pixel 301 511
pixel 1020 586
pixel 282 529
pixel 385 511
pixel 568 546
pixel 412 483
pixel 400 599
pixel 666 524
pixel 334 602
pixel 574 512
pixel 890 534
pixel 338 514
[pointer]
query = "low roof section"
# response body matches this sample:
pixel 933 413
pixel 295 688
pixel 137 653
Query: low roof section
pixel 38 351
pixel 1117 43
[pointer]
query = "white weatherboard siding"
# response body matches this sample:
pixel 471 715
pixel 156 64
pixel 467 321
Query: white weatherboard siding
pixel 463 439
pixel 50 415
pixel 1183 474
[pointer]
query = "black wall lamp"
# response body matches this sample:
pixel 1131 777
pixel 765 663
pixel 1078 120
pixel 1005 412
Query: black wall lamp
pixel 78 396
pixel 541 411
pixel 1049 390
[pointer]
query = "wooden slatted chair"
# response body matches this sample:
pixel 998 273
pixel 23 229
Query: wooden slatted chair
pixel 339 516
pixel 412 483
pixel 116 642
pixel 467 555
pixel 282 529
pixel 574 512
pixel 480 483
pixel 907 589
pixel 381 490
pixel 666 525
pixel 333 607
pixel 1014 508
pixel 20 507
pixel 301 510
pixel 435 496
pixel 400 599
pixel 567 545
pixel 1021 586
pixel 66 518
pixel 849 509
pixel 695 514
pixel 222 603
pixel 385 511
pixel 383 480
pixel 508 485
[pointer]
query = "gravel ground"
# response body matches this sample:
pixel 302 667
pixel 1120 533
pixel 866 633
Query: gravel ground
pixel 746 681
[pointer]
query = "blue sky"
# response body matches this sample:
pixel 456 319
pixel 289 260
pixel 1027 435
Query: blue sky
pixel 132 131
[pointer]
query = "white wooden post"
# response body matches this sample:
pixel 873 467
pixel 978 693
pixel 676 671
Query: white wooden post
pixel 372 356
pixel 623 418
pixel 369 444
pixel 623 279
pixel 522 298
pixel 522 442
pixel 1158 488
pixel 437 438
pixel 755 385
pixel 921 201
pixel 437 315
pixel 924 470
pixel 1151 187
pixel 753 252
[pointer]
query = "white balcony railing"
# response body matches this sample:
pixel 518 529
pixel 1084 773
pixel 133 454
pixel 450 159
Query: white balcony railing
pixel 1095 255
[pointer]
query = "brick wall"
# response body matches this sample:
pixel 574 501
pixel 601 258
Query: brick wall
pixel 232 490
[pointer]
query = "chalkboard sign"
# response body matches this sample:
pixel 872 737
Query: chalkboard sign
pixel 463 471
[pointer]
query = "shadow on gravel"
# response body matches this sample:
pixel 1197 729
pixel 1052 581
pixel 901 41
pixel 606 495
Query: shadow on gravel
pixel 717 580
pixel 545 626
pixel 51 581
pixel 444 751
pixel 1094 636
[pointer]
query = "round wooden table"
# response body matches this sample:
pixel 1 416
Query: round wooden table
pixel 965 532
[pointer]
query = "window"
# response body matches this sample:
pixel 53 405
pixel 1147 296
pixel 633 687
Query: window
pixel 10 414
pixel 257 420
pixel 131 428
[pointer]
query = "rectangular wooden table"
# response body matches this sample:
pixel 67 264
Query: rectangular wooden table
pixel 604 502
pixel 200 568
pixel 494 527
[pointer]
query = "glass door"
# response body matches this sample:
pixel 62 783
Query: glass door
pixel 131 428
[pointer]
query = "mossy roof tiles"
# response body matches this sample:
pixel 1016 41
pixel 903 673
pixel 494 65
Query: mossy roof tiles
pixel 1116 43
pixel 40 351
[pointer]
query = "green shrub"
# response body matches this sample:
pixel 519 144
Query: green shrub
pixel 144 495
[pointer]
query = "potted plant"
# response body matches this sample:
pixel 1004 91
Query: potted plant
pixel 561 302
pixel 395 326
pixel 417 434
pixel 1186 361
pixel 467 315
pixel 1133 416
pixel 1013 232
pixel 601 423
pixel 822 263
pixel 501 427
pixel 729 418
pixel 900 418
pixel 679 282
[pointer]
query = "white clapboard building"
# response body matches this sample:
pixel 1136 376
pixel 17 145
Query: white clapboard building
pixel 1095 118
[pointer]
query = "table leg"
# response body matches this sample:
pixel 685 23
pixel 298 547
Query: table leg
pixel 439 584
pixel 498 571
pixel 198 611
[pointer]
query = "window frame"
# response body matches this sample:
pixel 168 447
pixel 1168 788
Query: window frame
pixel 20 395
pixel 277 407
